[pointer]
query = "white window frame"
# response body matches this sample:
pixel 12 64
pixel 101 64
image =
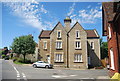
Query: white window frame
pixel 58 45
pixel 76 46
pixel 58 57
pixel 44 46
pixel 78 58
pixel 109 31
pixel 91 44
pixel 78 33
pixel 112 59
pixel 58 35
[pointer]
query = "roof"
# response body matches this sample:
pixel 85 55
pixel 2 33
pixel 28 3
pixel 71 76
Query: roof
pixel 90 33
pixel 45 33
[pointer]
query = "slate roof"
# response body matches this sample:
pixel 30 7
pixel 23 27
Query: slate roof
pixel 46 33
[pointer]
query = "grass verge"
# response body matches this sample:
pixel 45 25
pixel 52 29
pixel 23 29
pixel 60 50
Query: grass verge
pixel 16 62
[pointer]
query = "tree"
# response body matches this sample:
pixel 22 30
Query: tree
pixel 23 45
pixel 104 49
pixel 5 51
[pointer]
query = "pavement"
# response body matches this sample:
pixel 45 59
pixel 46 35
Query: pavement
pixel 25 72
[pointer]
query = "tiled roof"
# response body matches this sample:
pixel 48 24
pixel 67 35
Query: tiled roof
pixel 46 33
pixel 91 33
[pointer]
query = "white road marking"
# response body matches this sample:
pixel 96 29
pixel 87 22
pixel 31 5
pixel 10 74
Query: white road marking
pixel 58 76
pixel 18 74
pixel 73 75
pixel 24 76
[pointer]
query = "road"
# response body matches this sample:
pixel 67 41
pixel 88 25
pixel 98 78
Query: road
pixel 25 72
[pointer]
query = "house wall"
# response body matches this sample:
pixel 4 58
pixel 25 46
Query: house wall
pixel 44 52
pixel 53 50
pixel 94 54
pixel 83 50
pixel 112 43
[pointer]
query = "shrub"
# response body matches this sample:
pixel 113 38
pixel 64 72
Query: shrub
pixel 3 56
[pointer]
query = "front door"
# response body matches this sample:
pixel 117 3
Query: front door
pixel 48 59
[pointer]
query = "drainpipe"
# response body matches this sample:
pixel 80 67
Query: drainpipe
pixel 67 52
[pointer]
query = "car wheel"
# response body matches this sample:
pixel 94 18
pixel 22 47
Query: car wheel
pixel 47 66
pixel 35 66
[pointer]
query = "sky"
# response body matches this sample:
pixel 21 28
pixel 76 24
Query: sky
pixel 23 18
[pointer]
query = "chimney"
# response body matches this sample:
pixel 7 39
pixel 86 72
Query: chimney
pixel 67 22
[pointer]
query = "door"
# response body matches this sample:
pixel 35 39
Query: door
pixel 48 59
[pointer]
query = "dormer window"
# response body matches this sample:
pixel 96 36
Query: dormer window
pixel 59 34
pixel 77 34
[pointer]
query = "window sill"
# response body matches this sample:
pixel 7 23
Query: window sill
pixel 59 49
pixel 78 62
pixel 78 49
pixel 45 49
pixel 59 38
pixel 77 38
pixel 59 62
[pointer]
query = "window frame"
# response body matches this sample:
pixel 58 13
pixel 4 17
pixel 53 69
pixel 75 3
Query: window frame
pixel 58 45
pixel 109 32
pixel 78 45
pixel 44 47
pixel 92 44
pixel 77 34
pixel 112 59
pixel 58 57
pixel 58 35
pixel 78 58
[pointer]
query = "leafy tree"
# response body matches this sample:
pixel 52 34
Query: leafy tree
pixel 104 49
pixel 23 45
pixel 5 51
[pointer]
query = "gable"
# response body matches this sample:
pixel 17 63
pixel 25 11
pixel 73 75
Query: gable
pixel 58 26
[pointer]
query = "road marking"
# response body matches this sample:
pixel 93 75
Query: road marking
pixel 73 75
pixel 58 76
pixel 24 77
pixel 18 74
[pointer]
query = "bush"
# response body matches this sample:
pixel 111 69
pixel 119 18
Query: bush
pixel 3 56
pixel 21 60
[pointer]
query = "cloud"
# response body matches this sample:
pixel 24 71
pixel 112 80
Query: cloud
pixel 71 10
pixel 87 15
pixel 32 13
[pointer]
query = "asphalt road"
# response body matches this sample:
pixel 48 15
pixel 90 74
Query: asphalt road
pixel 25 72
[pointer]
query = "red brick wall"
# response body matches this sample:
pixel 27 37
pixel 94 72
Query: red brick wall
pixel 112 43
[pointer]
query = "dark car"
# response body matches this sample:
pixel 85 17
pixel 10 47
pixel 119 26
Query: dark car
pixel 6 58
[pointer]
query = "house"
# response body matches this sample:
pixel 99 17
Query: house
pixel 70 47
pixel 111 29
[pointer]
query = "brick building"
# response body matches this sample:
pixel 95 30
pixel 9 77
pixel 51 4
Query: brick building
pixel 111 29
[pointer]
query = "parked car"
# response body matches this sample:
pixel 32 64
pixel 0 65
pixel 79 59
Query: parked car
pixel 42 64
pixel 6 58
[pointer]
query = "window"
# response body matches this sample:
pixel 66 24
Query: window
pixel 58 57
pixel 112 59
pixel 59 33
pixel 92 45
pixel 77 34
pixel 78 45
pixel 78 58
pixel 45 45
pixel 59 44
pixel 109 31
